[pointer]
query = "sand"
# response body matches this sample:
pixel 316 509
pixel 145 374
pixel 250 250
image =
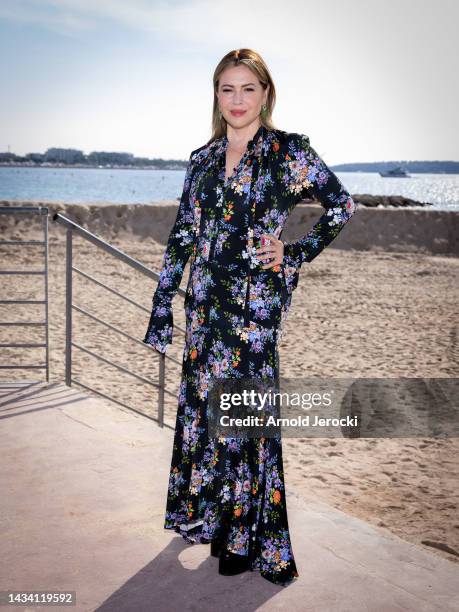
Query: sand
pixel 354 314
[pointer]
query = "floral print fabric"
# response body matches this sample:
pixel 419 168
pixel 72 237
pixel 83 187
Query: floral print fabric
pixel 232 489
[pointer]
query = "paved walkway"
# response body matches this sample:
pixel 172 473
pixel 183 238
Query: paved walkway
pixel 83 494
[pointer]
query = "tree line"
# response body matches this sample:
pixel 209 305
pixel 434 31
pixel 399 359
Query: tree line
pixel 75 157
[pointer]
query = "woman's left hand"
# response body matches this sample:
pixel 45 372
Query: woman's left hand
pixel 271 247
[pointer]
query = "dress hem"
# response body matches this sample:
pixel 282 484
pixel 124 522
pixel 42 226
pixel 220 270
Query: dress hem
pixel 288 579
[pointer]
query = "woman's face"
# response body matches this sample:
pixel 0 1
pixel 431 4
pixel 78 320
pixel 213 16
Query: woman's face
pixel 240 90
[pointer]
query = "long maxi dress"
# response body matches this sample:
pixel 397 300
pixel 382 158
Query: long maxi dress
pixel 232 489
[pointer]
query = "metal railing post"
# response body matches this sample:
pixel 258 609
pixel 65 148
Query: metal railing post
pixel 45 221
pixel 68 307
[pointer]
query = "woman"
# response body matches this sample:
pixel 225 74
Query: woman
pixel 239 190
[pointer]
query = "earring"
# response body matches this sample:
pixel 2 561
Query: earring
pixel 220 114
pixel 263 109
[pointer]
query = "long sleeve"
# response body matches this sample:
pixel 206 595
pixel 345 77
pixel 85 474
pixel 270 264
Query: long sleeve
pixel 178 250
pixel 309 176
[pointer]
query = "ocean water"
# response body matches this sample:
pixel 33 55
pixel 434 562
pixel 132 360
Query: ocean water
pixel 83 185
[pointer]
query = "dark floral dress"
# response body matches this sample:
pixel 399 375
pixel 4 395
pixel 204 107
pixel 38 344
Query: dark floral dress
pixel 232 489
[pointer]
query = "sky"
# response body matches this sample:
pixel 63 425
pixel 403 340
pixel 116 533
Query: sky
pixel 366 80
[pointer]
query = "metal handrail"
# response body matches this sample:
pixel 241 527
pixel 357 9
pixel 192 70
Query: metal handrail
pixel 43 212
pixel 72 228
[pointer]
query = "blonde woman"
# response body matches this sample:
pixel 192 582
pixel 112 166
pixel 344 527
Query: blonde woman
pixel 239 190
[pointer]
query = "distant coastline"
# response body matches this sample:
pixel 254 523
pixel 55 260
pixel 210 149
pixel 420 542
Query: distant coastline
pixel 94 167
pixel 182 166
pixel 74 158
pixel 57 157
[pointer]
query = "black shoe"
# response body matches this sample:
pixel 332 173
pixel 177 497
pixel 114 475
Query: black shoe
pixel 215 548
pixel 232 564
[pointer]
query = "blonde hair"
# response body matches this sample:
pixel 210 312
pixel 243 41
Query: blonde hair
pixel 255 62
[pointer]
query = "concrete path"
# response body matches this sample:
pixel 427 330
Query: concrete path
pixel 83 495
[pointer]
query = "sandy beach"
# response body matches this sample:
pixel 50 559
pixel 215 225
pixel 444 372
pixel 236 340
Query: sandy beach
pixel 356 313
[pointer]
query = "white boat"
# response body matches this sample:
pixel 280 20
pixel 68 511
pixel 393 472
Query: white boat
pixel 397 172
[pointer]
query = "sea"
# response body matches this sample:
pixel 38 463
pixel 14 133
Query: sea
pixel 134 186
